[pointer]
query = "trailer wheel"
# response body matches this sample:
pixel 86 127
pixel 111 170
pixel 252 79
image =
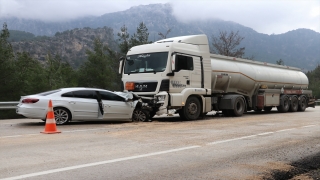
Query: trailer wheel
pixel 284 104
pixel 294 104
pixel 191 110
pixel 238 107
pixel 302 104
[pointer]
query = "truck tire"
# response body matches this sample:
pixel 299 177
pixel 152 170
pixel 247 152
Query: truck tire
pixel 294 104
pixel 191 110
pixel 284 104
pixel 238 107
pixel 302 104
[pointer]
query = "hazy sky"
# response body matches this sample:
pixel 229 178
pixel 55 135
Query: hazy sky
pixel 264 16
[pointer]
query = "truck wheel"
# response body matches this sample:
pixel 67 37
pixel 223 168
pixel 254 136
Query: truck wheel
pixel 302 104
pixel 284 104
pixel 294 104
pixel 191 110
pixel 238 107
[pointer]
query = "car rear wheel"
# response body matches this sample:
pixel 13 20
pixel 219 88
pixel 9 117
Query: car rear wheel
pixel 62 115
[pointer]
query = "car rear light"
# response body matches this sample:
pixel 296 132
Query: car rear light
pixel 30 100
pixel 129 86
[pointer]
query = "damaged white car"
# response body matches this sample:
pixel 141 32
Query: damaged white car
pixel 84 104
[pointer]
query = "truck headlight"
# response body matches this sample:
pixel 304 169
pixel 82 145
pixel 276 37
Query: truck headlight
pixel 161 97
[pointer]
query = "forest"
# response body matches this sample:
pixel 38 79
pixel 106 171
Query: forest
pixel 21 75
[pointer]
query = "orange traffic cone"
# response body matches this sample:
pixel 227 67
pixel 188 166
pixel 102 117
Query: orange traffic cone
pixel 50 127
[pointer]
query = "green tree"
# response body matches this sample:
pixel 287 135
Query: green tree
pixel 98 70
pixel 164 36
pixel 138 38
pixel 226 44
pixel 141 36
pixel 124 44
pixel 59 73
pixel 314 81
pixel 7 68
pixel 30 75
pixel 280 62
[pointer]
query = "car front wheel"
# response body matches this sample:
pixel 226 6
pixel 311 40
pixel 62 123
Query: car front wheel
pixel 140 115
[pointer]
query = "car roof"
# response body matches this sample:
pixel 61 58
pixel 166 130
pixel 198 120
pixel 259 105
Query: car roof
pixel 81 88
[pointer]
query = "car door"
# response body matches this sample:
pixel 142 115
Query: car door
pixel 83 104
pixel 115 106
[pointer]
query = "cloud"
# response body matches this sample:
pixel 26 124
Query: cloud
pixel 62 10
pixel 264 16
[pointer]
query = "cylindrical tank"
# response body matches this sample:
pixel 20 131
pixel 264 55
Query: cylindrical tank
pixel 239 75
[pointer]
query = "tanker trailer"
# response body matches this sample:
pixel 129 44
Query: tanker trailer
pixel 239 85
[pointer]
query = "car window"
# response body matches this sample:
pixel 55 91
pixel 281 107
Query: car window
pixel 88 94
pixel 110 96
pixel 68 94
pixel 48 92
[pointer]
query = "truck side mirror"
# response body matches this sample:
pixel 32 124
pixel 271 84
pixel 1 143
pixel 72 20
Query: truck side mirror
pixel 173 63
pixel 120 66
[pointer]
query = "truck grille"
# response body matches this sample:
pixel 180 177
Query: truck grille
pixel 145 86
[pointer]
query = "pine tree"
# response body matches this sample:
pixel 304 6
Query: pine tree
pixel 124 40
pixel 98 70
pixel 141 36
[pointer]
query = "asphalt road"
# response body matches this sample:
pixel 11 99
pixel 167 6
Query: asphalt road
pixel 254 146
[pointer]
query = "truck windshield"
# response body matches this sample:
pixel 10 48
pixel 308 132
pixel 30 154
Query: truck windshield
pixel 148 62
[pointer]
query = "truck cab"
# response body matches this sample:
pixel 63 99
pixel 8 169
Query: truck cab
pixel 176 67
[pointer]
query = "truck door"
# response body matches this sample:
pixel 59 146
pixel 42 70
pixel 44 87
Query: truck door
pixel 196 73
pixel 182 74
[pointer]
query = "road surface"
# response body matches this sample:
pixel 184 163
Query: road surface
pixel 254 146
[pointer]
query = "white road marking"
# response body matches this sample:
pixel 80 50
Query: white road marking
pixel 309 126
pixel 83 130
pixel 98 163
pixel 14 136
pixel 228 140
pixel 265 133
pixel 283 130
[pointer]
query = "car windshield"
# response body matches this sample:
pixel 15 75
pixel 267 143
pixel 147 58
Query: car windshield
pixel 148 62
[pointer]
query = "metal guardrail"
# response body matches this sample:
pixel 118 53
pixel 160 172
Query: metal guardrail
pixel 13 104
pixel 9 105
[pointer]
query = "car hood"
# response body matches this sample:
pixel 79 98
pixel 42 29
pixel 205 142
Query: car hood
pixel 126 95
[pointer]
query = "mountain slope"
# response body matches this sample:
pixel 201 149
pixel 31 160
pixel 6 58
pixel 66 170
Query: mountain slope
pixel 299 48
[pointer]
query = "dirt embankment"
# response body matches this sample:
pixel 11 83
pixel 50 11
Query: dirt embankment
pixel 304 169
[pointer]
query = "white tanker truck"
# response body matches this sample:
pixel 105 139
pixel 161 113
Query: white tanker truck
pixel 180 75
